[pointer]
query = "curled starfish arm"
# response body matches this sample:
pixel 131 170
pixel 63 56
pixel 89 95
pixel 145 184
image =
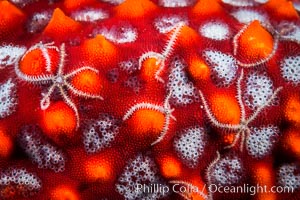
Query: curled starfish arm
pixel 81 93
pixel 70 103
pixel 213 119
pixel 33 79
pixel 142 106
pixel 150 54
pixel 260 108
pixel 73 73
pixel 45 102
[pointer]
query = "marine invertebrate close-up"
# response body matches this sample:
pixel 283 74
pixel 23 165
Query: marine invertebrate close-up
pixel 149 99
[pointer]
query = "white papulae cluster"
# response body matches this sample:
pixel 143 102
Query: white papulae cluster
pixel 261 141
pixel 39 21
pixel 167 23
pixel 89 15
pixel 288 31
pixel 119 34
pixel 21 181
pixel 258 90
pixel 223 66
pixel 244 3
pixel 190 145
pixel 227 171
pixel 140 170
pixel 129 66
pixel 40 151
pixel 287 176
pixel 99 133
pixel 176 3
pixel 290 69
pixel 8 98
pixel 115 2
pixel 246 16
pixel 215 30
pixel 9 55
pixel 183 91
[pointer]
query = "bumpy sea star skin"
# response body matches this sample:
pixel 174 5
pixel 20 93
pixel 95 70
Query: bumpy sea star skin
pixel 98 97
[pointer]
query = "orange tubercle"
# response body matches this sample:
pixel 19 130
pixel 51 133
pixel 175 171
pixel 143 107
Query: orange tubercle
pixel 291 110
pixel 255 43
pixel 206 8
pixel 282 9
pixel 144 123
pixel 99 52
pixel 228 138
pixel 292 141
pixel 264 176
pixel 225 108
pixel 135 9
pixel 6 144
pixel 99 169
pixel 87 81
pixel 198 70
pixel 11 20
pixel 61 26
pixel 64 192
pixel 34 63
pixel 187 37
pixel 59 119
pixel 170 167
pixel 149 68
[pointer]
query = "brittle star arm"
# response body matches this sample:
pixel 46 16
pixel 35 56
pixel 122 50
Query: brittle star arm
pixel 213 119
pixel 71 104
pixel 190 185
pixel 208 173
pixel 45 102
pixel 81 93
pixel 142 106
pixel 247 65
pixel 239 96
pixel 62 59
pixel 33 79
pixel 73 73
pixel 260 108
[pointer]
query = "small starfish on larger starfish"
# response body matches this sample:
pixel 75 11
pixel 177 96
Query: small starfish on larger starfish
pixel 242 129
pixel 60 81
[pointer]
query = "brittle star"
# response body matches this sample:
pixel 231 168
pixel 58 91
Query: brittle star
pixel 165 109
pixel 242 129
pixel 60 81
pixel 161 57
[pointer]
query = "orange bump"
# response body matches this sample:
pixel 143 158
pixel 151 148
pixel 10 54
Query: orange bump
pixel 225 108
pixel 135 9
pixel 198 70
pixel 87 81
pixel 98 169
pixel 228 138
pixel 291 110
pixel 64 192
pixel 6 144
pixel 282 9
pixel 99 52
pixel 75 4
pixel 292 141
pixel 187 37
pixel 170 167
pixel 59 119
pixel 11 20
pixel 146 122
pixel 34 63
pixel 206 8
pixel 255 43
pixel 264 176
pixel 149 68
pixel 61 26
